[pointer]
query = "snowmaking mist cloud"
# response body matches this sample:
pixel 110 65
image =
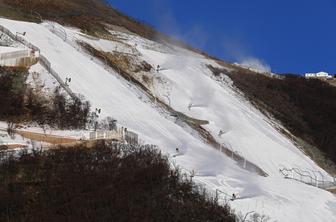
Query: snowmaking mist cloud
pixel 237 50
pixel 255 64
pixel 167 23
pixel 234 46
pixel 202 96
pixel 194 35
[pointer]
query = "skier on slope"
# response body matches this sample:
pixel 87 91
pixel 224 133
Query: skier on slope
pixel 233 197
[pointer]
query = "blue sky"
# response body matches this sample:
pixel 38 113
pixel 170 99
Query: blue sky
pixel 291 36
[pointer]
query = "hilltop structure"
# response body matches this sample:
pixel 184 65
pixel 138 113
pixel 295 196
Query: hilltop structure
pixel 319 75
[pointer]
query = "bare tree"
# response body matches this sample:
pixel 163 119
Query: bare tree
pixel 11 129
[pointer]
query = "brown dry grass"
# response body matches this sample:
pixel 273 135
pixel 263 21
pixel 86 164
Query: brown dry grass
pixel 147 80
pixel 12 12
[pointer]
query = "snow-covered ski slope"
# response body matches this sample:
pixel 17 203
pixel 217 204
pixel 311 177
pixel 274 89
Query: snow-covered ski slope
pixel 184 79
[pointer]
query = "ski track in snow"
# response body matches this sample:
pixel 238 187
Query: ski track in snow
pixel 246 130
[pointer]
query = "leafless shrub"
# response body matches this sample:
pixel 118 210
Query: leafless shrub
pixel 20 103
pixel 11 129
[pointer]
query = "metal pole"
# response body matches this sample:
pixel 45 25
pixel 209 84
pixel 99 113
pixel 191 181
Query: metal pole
pixel 316 182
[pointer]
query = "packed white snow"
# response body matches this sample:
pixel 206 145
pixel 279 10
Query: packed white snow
pixel 186 80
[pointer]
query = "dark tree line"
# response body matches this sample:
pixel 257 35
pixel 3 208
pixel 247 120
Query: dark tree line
pixel 305 106
pixel 103 183
pixel 20 103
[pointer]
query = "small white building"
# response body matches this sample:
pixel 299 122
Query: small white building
pixel 319 75
pixel 322 75
pixel 310 75
pixel 11 56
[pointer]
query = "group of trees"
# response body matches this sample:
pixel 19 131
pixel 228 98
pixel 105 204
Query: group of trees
pixel 20 103
pixel 305 106
pixel 109 182
pixel 12 89
pixel 70 114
